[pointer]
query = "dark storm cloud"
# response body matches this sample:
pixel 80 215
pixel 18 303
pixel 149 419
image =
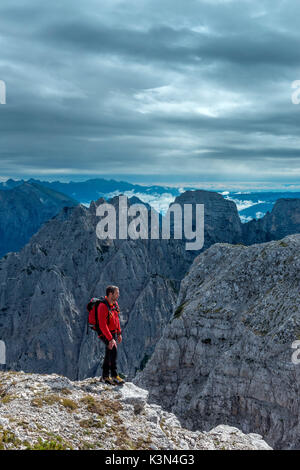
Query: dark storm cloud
pixel 164 43
pixel 198 87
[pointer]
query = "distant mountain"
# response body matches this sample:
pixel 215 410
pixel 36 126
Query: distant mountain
pixel 10 184
pixel 23 209
pixel 92 189
pixel 254 205
pixel 256 211
pixel 263 196
pixel 250 205
pixel 284 219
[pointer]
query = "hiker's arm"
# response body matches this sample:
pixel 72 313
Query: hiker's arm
pixel 102 314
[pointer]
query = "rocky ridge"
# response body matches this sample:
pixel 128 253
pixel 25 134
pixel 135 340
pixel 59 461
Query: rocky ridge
pixel 50 412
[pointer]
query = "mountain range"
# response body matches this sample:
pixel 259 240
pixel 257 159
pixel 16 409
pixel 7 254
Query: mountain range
pixel 92 189
pixel 219 322
pixel 27 205
pixel 45 287
pixel 250 204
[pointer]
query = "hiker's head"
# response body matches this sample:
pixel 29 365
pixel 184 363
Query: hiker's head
pixel 112 293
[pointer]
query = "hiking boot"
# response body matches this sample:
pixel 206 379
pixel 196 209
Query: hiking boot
pixel 117 380
pixel 108 380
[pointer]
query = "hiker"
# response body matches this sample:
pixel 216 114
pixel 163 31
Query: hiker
pixel 109 324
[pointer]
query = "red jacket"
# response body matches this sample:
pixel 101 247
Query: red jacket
pixel 113 324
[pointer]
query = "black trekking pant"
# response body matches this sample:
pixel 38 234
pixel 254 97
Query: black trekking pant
pixel 110 358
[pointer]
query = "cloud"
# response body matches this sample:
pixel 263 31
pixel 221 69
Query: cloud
pixel 197 89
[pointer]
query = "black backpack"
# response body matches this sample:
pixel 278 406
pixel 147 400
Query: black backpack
pixel 92 308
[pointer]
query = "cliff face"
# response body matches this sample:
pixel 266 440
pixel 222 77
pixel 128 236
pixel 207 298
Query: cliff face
pixel 225 356
pixel 23 210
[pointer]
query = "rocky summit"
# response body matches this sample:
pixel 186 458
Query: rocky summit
pixel 225 357
pixel 50 412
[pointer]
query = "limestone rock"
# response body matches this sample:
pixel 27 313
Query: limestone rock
pixel 225 357
pixel 51 412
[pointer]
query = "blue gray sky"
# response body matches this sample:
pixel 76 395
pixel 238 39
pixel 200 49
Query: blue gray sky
pixel 155 91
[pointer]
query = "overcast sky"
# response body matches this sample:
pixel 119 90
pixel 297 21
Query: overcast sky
pixel 182 90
